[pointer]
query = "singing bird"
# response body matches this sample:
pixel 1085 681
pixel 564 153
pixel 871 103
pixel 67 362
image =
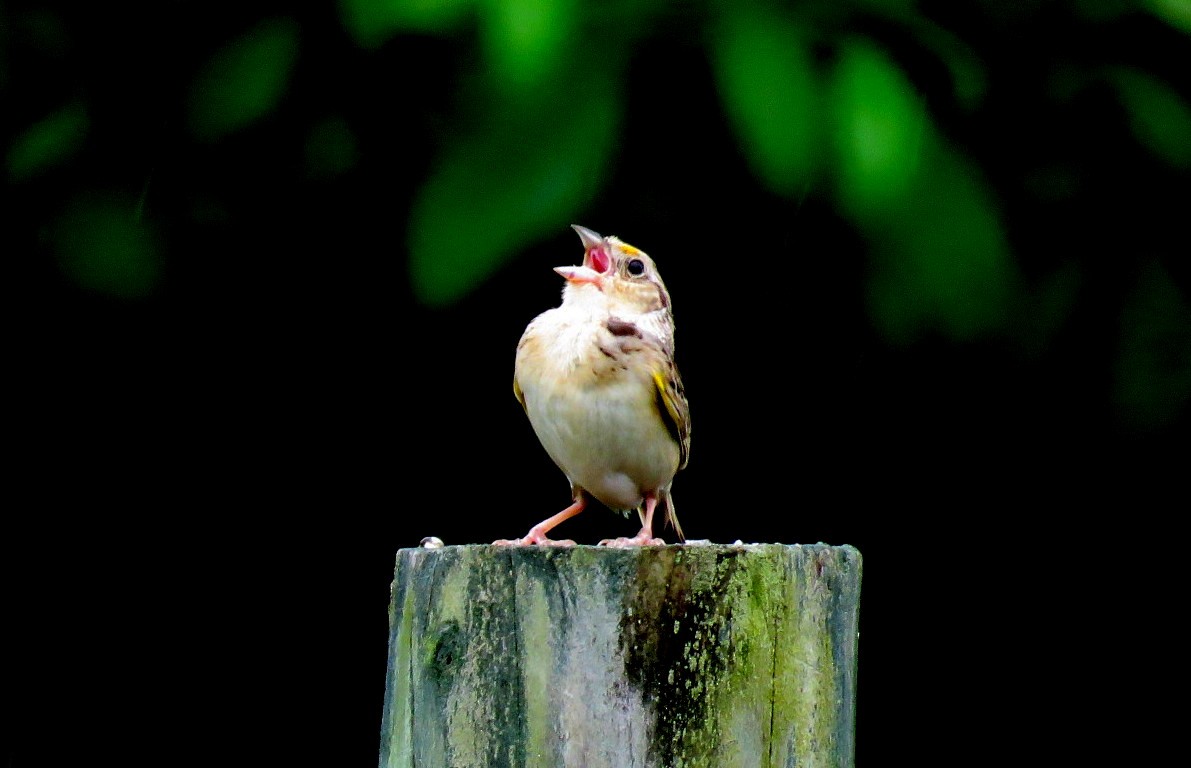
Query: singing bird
pixel 597 379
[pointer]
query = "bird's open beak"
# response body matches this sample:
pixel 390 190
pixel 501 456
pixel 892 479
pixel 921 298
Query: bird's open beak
pixel 580 275
pixel 595 249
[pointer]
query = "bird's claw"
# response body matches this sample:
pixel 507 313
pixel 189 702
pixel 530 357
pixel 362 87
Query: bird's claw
pixel 530 541
pixel 643 539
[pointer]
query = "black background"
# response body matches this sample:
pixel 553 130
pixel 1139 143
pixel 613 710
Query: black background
pixel 211 483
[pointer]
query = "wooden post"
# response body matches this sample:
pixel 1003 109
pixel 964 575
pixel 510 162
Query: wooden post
pixel 692 655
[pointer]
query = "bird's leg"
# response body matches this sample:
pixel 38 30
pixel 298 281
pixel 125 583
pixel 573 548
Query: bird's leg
pixel 644 537
pixel 537 534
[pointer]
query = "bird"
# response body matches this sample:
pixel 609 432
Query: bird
pixel 597 378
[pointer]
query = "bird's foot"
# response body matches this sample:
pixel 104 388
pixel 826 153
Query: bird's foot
pixel 537 534
pixel 643 539
pixel 534 538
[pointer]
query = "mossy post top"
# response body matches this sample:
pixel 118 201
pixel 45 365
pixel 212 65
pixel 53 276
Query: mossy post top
pixel 681 655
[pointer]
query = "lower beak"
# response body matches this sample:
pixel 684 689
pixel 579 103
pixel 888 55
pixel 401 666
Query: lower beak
pixel 580 274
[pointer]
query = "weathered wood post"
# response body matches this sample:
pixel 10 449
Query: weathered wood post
pixel 694 655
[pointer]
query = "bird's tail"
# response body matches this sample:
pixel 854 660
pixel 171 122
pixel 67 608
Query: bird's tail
pixel 667 501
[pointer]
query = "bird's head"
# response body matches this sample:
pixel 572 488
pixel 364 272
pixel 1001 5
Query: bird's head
pixel 624 273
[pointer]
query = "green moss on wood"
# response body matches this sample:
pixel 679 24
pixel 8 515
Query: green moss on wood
pixel 670 656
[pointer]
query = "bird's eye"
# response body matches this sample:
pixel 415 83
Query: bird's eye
pixel 636 267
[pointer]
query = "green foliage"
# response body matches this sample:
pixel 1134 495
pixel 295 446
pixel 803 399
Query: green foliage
pixel 49 142
pixel 941 261
pixel 507 183
pixel 526 40
pixel 533 147
pixel 968 77
pixel 1176 13
pixel 878 126
pixel 1153 371
pixel 372 22
pixel 771 92
pixel 879 109
pixel 243 81
pixel 1160 120
pixel 105 247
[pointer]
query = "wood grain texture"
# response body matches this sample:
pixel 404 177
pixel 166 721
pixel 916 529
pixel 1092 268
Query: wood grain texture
pixel 692 655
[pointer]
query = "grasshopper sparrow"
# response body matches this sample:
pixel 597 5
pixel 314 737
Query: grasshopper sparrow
pixel 597 379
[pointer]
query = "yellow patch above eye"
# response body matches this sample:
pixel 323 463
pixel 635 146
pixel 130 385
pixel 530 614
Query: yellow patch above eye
pixel 630 250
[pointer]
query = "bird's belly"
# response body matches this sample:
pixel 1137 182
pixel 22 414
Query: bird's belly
pixel 602 447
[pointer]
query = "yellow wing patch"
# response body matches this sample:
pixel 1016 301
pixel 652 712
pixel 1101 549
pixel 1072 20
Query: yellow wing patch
pixel 519 395
pixel 674 402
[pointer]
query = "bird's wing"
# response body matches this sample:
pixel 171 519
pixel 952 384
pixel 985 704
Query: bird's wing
pixel 673 407
pixel 517 393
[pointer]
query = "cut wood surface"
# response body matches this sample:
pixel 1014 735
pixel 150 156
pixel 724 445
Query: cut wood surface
pixel 685 655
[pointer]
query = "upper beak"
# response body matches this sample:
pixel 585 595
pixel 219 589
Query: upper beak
pixel 580 274
pixel 595 249
pixel 589 237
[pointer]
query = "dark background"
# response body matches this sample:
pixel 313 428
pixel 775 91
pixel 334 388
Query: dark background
pixel 262 338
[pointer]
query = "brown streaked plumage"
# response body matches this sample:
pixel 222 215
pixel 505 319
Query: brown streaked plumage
pixel 597 379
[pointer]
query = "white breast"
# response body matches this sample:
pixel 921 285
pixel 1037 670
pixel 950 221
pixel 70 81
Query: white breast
pixel 604 432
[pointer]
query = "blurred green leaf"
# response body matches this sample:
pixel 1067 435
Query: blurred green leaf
pixel 1159 118
pixel 1153 372
pixel 767 81
pixel 47 143
pixel 1176 13
pixel 372 22
pixel 525 40
pixel 941 261
pixel 968 77
pixel 102 247
pixel 879 127
pixel 525 174
pixel 1043 306
pixel 245 80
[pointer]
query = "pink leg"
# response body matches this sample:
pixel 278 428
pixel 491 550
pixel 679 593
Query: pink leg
pixel 537 534
pixel 644 537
